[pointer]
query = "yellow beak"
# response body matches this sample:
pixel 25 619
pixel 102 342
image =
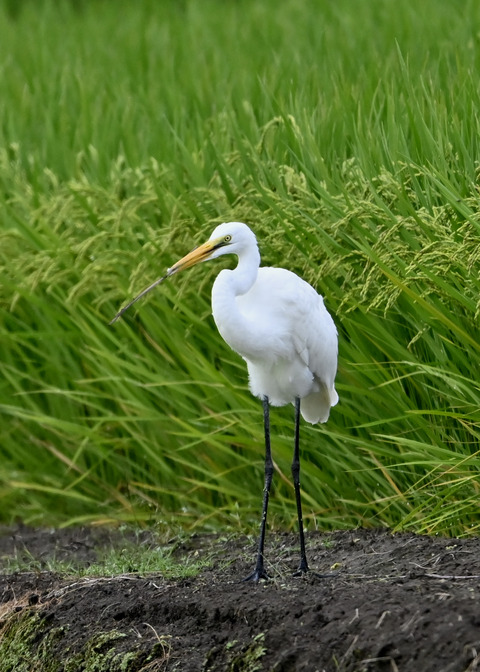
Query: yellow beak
pixel 201 253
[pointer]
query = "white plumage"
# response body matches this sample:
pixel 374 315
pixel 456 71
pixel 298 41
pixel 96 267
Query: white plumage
pixel 278 323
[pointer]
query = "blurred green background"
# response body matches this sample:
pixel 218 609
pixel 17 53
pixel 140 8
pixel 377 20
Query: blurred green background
pixel 347 136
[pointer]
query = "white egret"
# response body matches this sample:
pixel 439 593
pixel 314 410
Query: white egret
pixel 279 325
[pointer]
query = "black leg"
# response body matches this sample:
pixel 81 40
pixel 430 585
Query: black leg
pixel 259 571
pixel 303 566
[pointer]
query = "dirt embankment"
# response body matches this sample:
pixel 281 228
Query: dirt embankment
pixel 394 603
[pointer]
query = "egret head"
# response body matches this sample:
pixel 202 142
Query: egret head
pixel 229 238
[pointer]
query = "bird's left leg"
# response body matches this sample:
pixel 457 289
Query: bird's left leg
pixel 303 566
pixel 259 571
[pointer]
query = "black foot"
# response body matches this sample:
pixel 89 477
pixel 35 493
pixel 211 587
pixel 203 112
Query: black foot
pixel 258 574
pixel 303 568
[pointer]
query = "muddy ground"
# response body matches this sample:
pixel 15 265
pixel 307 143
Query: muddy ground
pixel 394 603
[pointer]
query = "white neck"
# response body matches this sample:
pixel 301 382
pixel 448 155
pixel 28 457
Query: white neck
pixel 234 327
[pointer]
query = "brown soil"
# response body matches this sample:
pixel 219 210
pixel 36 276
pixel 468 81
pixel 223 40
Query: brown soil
pixel 394 603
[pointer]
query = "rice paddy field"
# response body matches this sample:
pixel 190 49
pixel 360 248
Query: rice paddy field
pixel 347 135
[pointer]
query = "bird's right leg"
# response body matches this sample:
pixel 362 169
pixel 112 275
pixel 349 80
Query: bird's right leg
pixel 259 571
pixel 303 567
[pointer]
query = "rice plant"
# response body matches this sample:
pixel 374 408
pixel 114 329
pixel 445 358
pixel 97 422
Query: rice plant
pixel 349 145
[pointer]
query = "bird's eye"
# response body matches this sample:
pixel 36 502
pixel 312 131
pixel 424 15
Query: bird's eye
pixel 227 238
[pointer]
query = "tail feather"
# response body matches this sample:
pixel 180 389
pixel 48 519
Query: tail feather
pixel 316 407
